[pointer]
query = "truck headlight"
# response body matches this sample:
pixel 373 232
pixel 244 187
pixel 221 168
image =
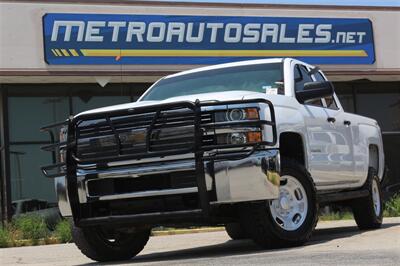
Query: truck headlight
pixel 237 114
pixel 238 138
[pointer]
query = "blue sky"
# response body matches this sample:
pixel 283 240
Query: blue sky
pixel 307 2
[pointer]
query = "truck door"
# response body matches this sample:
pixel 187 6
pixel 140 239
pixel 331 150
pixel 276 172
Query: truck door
pixel 341 153
pixel 320 137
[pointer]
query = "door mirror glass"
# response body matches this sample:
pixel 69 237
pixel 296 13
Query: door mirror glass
pixel 315 90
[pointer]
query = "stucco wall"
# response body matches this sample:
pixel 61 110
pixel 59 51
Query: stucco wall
pixel 21 39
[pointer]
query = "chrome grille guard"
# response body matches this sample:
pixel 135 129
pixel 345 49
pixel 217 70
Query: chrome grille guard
pixel 192 117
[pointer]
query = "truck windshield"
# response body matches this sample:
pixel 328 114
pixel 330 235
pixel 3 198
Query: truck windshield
pixel 265 78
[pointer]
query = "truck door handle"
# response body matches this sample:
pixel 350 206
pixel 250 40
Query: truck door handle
pixel 347 122
pixel 331 119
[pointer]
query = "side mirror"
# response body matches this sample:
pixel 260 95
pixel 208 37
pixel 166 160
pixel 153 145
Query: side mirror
pixel 315 90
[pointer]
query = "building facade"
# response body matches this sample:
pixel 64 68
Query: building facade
pixel 58 58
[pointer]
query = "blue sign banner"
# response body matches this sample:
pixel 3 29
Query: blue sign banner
pixel 94 39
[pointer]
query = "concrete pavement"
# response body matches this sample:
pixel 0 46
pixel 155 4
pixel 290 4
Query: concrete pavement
pixel 333 243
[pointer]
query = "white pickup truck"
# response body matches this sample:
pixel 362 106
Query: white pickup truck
pixel 256 146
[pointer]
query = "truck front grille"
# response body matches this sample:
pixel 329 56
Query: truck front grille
pixel 170 131
pixel 123 186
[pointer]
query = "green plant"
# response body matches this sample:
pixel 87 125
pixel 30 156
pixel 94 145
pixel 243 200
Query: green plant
pixel 333 216
pixel 32 227
pixel 392 206
pixel 5 237
pixel 63 231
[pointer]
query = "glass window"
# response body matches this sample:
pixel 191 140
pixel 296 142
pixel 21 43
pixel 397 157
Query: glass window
pixel 330 101
pixel 31 106
pixel 301 77
pixel 315 102
pixel 318 77
pixel 258 78
pixel 27 180
pixel 28 114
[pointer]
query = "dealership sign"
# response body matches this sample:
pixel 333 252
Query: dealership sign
pixel 83 39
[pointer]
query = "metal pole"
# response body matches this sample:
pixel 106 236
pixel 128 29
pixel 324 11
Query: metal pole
pixel 5 178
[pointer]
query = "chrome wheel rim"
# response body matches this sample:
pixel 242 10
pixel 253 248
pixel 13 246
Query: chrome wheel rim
pixel 289 211
pixel 376 198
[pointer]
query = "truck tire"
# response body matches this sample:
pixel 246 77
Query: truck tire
pixel 368 211
pixel 235 231
pixel 290 219
pixel 93 243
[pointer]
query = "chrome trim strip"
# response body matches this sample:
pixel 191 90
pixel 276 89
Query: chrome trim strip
pixel 149 193
pixel 141 161
pixel 153 159
pixel 389 133
pixel 232 130
pixel 328 183
pixel 141 171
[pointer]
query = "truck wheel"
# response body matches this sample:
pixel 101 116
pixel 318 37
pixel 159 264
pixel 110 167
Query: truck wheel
pixel 235 231
pixel 368 211
pixel 100 245
pixel 290 219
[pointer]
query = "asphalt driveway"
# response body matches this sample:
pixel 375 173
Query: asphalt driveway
pixel 334 243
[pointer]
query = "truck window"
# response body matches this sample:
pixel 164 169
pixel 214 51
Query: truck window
pixel 301 77
pixel 264 78
pixel 330 101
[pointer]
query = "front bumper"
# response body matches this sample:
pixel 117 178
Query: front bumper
pixel 146 183
pixel 252 178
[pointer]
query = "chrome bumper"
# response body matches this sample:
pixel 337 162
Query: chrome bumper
pixel 62 196
pixel 255 177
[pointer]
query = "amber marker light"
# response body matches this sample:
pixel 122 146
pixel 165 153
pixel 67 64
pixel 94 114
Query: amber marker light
pixel 254 136
pixel 252 113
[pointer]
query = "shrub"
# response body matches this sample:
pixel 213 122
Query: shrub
pixel 63 231
pixel 5 237
pixel 333 216
pixel 31 227
pixel 392 206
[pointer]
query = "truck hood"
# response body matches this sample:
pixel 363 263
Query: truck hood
pixel 212 96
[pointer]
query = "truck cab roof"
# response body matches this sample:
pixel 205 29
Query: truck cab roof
pixel 233 64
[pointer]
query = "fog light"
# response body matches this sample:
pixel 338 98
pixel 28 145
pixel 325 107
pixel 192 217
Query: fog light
pixel 237 138
pixel 254 136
